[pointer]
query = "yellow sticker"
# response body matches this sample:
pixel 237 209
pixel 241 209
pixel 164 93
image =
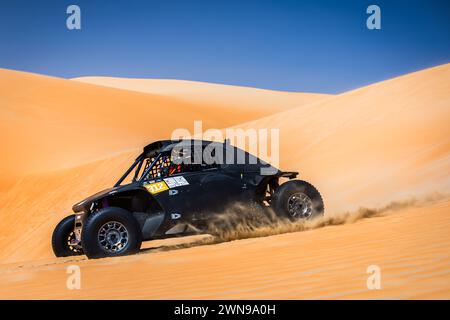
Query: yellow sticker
pixel 156 187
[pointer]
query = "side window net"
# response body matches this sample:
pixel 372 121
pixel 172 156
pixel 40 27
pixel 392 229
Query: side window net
pixel 160 168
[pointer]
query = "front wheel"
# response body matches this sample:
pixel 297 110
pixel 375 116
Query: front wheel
pixel 111 232
pixel 297 199
pixel 64 242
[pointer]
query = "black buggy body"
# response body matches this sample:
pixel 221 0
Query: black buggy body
pixel 174 184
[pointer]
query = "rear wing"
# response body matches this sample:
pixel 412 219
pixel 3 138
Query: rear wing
pixel 287 174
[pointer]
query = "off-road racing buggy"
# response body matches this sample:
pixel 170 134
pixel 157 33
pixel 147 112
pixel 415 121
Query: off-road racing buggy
pixel 169 189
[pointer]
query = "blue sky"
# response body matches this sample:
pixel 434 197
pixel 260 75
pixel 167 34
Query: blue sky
pixel 314 46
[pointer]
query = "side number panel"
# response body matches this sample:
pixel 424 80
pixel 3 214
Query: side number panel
pixel 156 187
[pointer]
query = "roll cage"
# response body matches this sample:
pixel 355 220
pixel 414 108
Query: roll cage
pixel 157 160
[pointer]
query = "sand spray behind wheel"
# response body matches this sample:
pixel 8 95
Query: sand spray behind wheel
pixel 241 221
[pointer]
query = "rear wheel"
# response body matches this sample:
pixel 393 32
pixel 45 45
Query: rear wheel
pixel 297 199
pixel 111 232
pixel 63 239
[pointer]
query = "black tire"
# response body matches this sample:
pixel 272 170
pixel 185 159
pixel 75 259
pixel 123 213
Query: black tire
pixel 95 241
pixel 61 237
pixel 291 195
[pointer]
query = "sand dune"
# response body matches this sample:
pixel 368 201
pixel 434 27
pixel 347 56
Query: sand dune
pixel 385 142
pixel 230 98
pixel 411 247
pixel 35 204
pixel 50 123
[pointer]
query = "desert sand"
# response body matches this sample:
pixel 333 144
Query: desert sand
pixel 325 263
pixel 230 98
pixel 373 145
pixel 61 124
pixel 384 143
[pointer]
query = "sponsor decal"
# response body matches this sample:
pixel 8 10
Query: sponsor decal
pixel 175 216
pixel 176 182
pixel 156 187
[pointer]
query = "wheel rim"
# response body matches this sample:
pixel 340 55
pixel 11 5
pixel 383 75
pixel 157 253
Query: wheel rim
pixel 300 206
pixel 113 237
